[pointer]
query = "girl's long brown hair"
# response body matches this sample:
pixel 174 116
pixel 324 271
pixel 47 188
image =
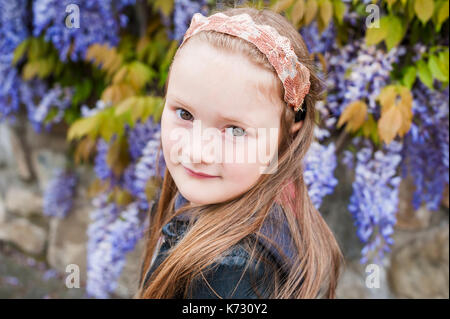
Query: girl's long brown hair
pixel 218 227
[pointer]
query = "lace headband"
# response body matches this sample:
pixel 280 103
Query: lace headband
pixel 277 48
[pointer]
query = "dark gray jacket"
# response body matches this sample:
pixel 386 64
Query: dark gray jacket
pixel 225 275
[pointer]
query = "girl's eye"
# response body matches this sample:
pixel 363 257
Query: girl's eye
pixel 236 131
pixel 184 114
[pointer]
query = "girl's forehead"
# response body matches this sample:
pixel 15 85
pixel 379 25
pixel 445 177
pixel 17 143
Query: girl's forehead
pixel 205 76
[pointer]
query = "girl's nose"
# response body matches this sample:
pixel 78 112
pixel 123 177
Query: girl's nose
pixel 204 149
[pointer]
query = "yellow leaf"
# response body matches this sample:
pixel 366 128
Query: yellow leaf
pixel 120 75
pixel 297 11
pixel 158 107
pixel 281 5
pixel 443 13
pixel 389 124
pixel 142 44
pixel 151 187
pixel 125 106
pixel 398 97
pixel 84 149
pixel 138 109
pixel 117 157
pixel 105 57
pixel 96 187
pixel 354 115
pixel 424 9
pixel 138 75
pixel 115 93
pixel 310 11
pixel 326 11
pixel 83 127
pixel 387 97
pixel 405 106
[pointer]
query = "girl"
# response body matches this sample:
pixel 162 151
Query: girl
pixel 226 228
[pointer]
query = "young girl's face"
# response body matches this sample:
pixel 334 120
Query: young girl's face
pixel 217 121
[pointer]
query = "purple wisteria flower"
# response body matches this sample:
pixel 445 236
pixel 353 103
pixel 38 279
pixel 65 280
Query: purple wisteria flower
pixel 99 22
pixel 113 233
pixel 105 214
pixel 59 194
pixel 317 42
pixel 426 147
pixel 320 163
pixel 182 15
pixel 13 31
pixel 139 136
pixel 101 167
pixel 146 169
pixel 100 105
pixel 359 72
pixel 374 201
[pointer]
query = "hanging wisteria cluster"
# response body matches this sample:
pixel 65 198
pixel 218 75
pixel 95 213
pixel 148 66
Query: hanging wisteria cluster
pixel 320 163
pixel 358 72
pixel 113 232
pixel 426 150
pixel 110 241
pixel 59 194
pixel 12 32
pixel 374 201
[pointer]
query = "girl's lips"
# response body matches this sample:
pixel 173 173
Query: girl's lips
pixel 198 175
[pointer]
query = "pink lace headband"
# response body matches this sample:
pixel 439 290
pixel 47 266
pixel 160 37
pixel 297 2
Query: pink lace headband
pixel 278 49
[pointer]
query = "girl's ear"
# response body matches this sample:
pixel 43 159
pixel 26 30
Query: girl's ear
pixel 296 126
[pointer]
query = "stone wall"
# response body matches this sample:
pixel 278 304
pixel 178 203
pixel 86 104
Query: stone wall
pixel 417 267
pixel 59 242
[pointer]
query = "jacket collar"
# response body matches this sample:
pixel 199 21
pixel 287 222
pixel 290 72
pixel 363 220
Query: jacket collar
pixel 276 223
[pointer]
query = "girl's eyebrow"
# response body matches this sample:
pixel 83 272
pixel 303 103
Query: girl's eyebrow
pixel 229 118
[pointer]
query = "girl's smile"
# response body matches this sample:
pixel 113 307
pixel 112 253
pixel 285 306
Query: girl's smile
pixel 198 174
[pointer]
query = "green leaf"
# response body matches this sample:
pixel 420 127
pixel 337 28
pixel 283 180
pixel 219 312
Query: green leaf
pixel 166 6
pixel 339 9
pixel 435 67
pixel 409 76
pixel 425 74
pixel 444 61
pixel 441 14
pixel 20 51
pixel 82 91
pixel 30 70
pixel 139 74
pixel 396 32
pixel 158 109
pixel 375 35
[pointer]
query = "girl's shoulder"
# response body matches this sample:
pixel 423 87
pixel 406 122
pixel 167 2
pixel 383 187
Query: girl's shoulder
pixel 237 275
pixel 234 276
